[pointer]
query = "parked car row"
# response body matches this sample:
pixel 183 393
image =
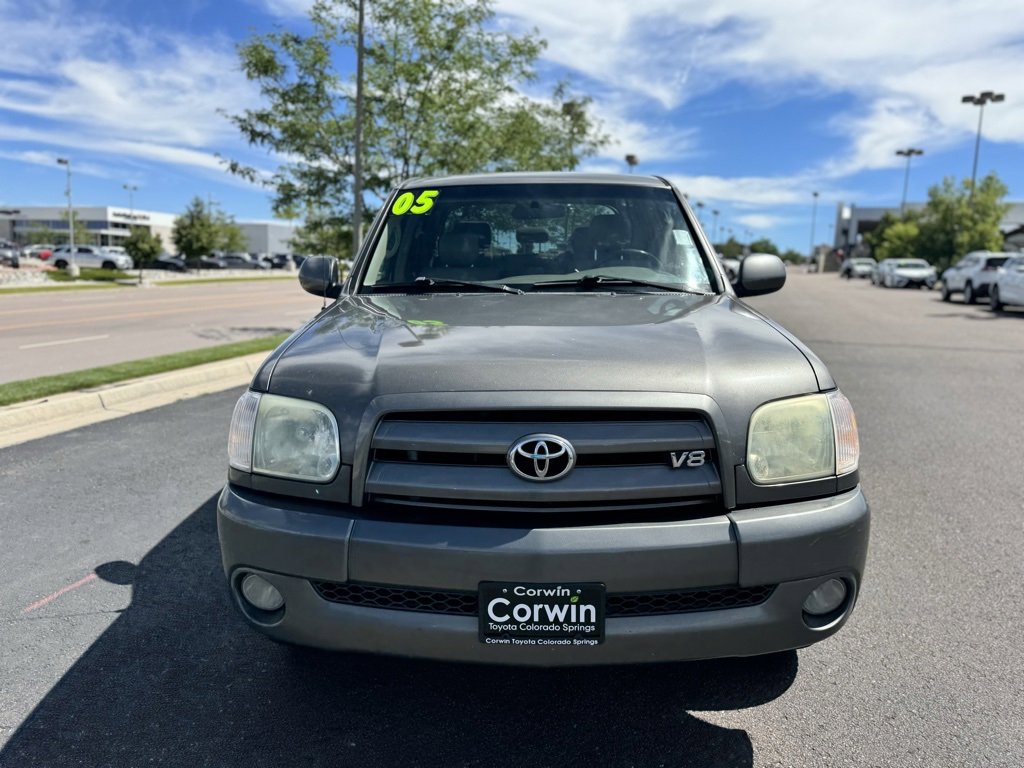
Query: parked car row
pixel 999 277
pixel 972 275
pixel 217 260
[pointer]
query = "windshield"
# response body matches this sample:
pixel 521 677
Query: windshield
pixel 523 235
pixel 912 264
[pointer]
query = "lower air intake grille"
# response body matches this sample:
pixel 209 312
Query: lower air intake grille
pixel 618 603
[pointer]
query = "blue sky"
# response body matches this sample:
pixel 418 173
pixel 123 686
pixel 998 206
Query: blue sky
pixel 748 106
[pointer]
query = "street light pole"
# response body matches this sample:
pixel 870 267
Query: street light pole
pixel 814 216
pixel 357 165
pixel 632 161
pixel 700 212
pixel 714 225
pixel 908 153
pixel 980 101
pixel 72 267
pixel 131 188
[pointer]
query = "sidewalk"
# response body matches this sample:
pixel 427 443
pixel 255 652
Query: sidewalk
pixel 31 420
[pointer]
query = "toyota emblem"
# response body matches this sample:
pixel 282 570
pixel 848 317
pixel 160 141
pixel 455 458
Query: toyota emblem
pixel 541 457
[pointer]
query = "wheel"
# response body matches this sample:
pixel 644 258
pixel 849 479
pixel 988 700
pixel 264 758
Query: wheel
pixel 60 264
pixel 109 265
pixel 946 294
pixel 969 296
pixel 994 302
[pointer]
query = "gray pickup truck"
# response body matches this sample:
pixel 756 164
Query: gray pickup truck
pixel 535 424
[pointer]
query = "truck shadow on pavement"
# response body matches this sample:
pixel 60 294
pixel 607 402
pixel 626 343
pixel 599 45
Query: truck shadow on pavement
pixel 178 679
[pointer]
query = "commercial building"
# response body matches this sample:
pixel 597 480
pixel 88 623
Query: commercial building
pixel 853 222
pixel 97 225
pixel 111 225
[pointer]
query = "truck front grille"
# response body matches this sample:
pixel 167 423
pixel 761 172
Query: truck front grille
pixel 464 603
pixel 624 461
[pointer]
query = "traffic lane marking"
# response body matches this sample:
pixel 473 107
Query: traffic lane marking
pixel 64 341
pixel 128 302
pixel 133 315
pixel 54 595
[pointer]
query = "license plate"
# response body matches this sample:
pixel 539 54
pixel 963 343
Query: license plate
pixel 514 613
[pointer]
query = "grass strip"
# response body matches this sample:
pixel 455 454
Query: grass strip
pixel 90 274
pixel 61 288
pixel 44 386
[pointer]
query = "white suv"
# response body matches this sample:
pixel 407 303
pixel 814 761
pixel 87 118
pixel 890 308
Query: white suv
pixel 972 275
pixel 1007 287
pixel 91 256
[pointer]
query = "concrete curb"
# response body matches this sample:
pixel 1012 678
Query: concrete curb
pixel 34 419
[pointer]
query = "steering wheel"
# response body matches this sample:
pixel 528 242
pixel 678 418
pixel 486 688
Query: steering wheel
pixel 639 258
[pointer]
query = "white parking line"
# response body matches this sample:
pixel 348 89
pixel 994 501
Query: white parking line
pixel 64 341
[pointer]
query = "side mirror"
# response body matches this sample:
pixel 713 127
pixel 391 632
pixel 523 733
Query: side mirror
pixel 760 273
pixel 319 275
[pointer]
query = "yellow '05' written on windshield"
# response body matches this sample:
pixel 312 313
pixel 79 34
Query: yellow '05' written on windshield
pixel 410 202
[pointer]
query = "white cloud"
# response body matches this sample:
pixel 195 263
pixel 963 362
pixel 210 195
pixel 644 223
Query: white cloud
pixel 49 160
pixel 761 221
pixel 904 65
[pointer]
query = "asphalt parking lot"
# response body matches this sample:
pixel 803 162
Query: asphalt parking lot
pixel 120 647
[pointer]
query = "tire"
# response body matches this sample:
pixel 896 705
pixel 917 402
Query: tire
pixel 969 296
pixel 946 293
pixel 109 265
pixel 993 299
pixel 60 264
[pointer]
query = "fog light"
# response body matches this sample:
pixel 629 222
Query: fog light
pixel 261 593
pixel 826 598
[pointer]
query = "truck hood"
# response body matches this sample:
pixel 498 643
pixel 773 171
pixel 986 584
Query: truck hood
pixel 363 347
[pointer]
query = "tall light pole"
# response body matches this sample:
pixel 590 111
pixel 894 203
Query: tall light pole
pixel 908 153
pixel 714 225
pixel 357 165
pixel 72 267
pixel 814 215
pixel 573 112
pixel 131 189
pixel 700 212
pixel 632 161
pixel 980 101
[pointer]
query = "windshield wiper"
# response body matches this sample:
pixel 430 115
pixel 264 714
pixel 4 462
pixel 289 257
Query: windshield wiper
pixel 591 281
pixel 423 283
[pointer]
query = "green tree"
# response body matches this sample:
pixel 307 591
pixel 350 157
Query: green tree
pixel 203 229
pixel 899 241
pixel 82 234
pixel 143 246
pixel 229 235
pixel 794 257
pixel 953 224
pixel 764 245
pixel 323 235
pixel 441 97
pixel 730 249
pixel 195 233
pixel 40 235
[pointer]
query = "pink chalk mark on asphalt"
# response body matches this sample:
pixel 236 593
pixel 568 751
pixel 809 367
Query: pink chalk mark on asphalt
pixel 62 591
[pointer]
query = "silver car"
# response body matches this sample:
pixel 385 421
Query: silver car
pixel 908 273
pixel 1007 287
pixel 972 275
pixel 91 256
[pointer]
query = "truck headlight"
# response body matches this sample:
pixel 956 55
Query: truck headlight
pixel 802 438
pixel 283 437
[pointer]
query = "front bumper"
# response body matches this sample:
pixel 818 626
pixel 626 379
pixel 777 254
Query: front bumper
pixel 795 546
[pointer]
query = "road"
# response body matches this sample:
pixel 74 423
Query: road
pixel 56 331
pixel 146 663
